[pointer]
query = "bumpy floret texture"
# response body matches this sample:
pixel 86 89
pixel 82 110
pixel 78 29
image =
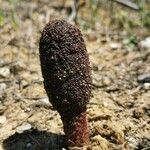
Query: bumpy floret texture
pixel 65 67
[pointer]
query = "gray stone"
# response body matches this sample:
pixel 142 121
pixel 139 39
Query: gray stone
pixel 23 127
pixel 144 78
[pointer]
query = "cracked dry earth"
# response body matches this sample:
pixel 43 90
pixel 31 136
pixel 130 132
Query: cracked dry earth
pixel 119 109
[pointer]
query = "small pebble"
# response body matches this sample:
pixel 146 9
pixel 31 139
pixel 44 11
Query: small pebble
pixel 28 109
pixel 92 37
pixel 106 81
pixel 42 102
pixel 23 127
pixel 144 78
pixel 4 72
pixel 2 119
pixel 2 87
pixel 145 43
pixel 115 46
pixel 132 141
pixel 147 86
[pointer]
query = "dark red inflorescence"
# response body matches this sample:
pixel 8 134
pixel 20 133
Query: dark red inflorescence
pixel 65 69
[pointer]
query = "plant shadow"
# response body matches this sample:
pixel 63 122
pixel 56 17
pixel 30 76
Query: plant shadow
pixel 35 140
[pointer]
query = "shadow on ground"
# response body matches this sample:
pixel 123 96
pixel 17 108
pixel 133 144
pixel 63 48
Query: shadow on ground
pixel 34 140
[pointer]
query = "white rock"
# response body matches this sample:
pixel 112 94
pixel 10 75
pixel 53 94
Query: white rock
pixel 2 87
pixel 145 43
pixel 132 142
pixel 23 127
pixel 115 45
pixel 2 119
pixel 147 86
pixel 4 72
pixel 44 100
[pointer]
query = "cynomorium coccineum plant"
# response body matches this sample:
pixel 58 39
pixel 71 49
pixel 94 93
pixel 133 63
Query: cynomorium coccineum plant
pixel 67 80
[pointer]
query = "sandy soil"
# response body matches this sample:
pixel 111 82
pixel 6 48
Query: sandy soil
pixel 119 109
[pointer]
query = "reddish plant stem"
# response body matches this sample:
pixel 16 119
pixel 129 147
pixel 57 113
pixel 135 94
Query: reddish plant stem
pixel 76 130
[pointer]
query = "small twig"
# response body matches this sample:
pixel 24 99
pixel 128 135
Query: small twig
pixel 127 3
pixel 73 16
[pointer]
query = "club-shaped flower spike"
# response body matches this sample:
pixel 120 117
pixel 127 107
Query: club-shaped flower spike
pixel 67 79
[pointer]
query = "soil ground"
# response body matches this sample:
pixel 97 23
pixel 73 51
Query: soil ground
pixel 119 109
